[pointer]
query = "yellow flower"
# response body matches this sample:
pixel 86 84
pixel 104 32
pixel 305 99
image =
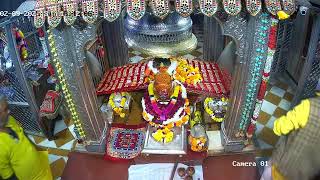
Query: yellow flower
pixel 166 130
pixel 122 115
pixel 158 135
pixel 168 137
pixel 117 110
pixel 170 126
pixel 282 15
pixel 150 89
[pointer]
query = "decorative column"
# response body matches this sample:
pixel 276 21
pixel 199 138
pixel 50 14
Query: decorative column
pixel 236 26
pixel 81 98
pixel 116 46
pixel 252 42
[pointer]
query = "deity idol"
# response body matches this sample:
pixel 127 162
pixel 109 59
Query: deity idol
pixel 165 104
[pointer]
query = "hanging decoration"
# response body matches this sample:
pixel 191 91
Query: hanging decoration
pixel 54 12
pixel 208 7
pixel 216 108
pixel 111 9
pixel 44 46
pixel 21 44
pixel 40 17
pixel 90 10
pixel 253 6
pixel 273 6
pixel 261 39
pixel 265 78
pixel 160 8
pixel 136 8
pixel 289 6
pixel 184 7
pixel 67 95
pixel 232 7
pixel 70 8
pixel 100 52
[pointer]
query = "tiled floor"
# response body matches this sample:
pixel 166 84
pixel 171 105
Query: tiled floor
pixel 59 148
pixel 277 102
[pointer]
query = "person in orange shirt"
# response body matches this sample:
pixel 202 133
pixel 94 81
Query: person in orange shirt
pixel 19 158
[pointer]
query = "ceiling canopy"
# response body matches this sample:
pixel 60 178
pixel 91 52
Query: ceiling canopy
pixel 89 10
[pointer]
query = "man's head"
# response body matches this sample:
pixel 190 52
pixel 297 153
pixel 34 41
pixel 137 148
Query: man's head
pixel 4 111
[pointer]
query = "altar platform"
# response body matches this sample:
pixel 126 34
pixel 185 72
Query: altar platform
pixel 84 166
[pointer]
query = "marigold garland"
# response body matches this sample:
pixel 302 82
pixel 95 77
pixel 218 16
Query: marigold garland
pixel 182 72
pixel 173 114
pixel 197 144
pixel 179 118
pixel 186 73
pixel 118 110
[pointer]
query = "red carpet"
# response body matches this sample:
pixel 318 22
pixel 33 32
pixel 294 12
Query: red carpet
pixel 124 141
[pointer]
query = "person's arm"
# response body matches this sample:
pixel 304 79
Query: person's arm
pixel 17 123
pixel 293 120
pixel 6 172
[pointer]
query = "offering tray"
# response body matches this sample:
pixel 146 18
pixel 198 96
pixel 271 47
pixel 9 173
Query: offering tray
pixel 177 146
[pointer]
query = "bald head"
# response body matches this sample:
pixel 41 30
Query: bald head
pixel 4 111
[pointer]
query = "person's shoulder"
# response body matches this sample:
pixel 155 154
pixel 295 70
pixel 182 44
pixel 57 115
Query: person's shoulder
pixel 13 122
pixel 314 101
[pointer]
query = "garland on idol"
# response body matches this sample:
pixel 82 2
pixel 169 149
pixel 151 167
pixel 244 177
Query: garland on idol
pixel 219 104
pixel 177 111
pixel 118 109
pixel 165 117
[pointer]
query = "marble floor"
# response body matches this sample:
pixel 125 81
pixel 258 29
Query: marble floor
pixel 277 102
pixel 59 148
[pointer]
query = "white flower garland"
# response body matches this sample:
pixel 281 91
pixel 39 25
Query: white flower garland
pixel 150 66
pixel 172 67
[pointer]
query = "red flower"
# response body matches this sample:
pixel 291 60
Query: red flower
pixel 251 129
pixel 262 90
pixel 266 74
pixel 272 37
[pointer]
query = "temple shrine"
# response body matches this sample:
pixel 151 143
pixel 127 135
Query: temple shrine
pixel 146 79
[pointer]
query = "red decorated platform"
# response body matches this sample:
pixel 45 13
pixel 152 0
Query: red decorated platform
pixel 216 82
